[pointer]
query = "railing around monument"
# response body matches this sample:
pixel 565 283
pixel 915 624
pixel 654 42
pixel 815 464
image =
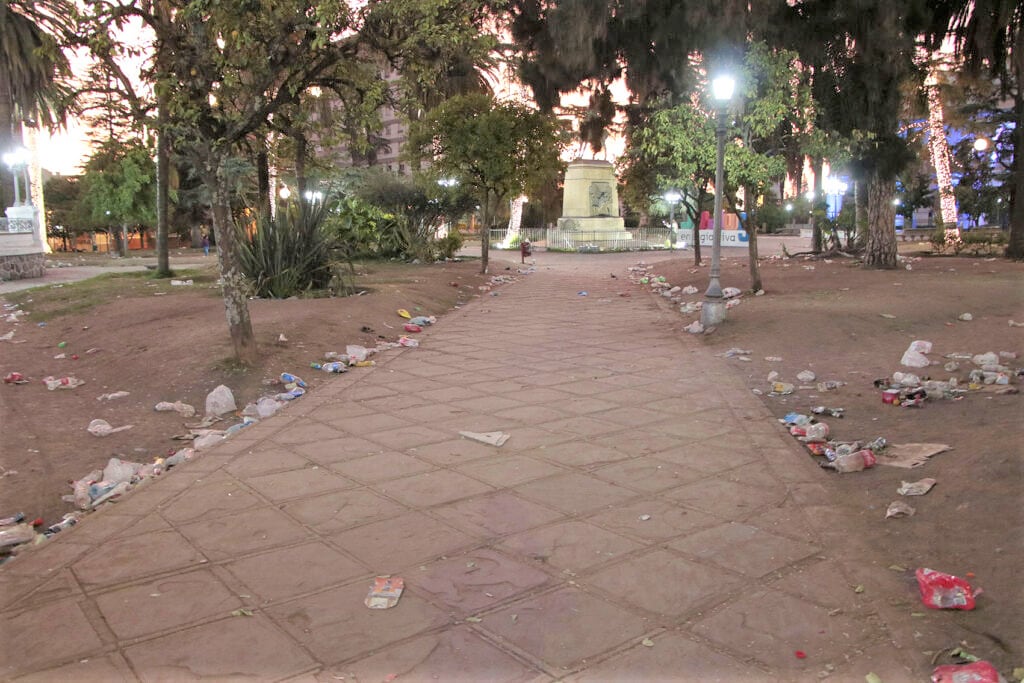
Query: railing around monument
pixel 17 225
pixel 590 241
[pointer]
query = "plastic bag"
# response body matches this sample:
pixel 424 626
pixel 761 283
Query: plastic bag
pixel 944 591
pixel 118 470
pixel 975 672
pixel 62 382
pixel 356 353
pixel 183 408
pixel 16 535
pixel 103 428
pixel 220 401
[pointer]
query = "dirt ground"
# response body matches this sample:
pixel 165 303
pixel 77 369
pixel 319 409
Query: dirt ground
pixel 852 325
pixel 164 343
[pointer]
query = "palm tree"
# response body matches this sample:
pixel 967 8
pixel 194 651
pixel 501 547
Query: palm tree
pixel 32 67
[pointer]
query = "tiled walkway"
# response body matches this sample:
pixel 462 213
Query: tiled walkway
pixel 639 525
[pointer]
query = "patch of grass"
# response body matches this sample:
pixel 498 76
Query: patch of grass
pixel 50 302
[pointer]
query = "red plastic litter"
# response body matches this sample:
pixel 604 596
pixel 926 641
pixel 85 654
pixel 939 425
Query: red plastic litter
pixel 944 591
pixel 975 672
pixel 411 327
pixel 15 378
pixel 38 521
pixel 800 654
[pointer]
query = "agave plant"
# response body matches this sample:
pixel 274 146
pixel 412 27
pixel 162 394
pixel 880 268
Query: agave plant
pixel 287 254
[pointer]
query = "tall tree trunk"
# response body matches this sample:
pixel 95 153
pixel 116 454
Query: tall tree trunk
pixel 233 281
pixel 163 184
pixel 263 179
pixel 485 233
pixel 701 194
pixel 1015 248
pixel 750 226
pixel 880 251
pixel 815 223
pixel 860 205
pixel 938 146
pixel 8 141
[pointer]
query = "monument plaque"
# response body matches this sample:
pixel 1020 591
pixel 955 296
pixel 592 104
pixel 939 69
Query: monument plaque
pixel 591 200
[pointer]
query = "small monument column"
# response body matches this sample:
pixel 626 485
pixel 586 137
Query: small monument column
pixel 590 202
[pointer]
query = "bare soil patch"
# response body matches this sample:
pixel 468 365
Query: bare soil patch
pixel 852 325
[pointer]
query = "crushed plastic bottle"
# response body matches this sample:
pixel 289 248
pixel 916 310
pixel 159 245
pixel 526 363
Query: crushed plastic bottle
pixel 334 366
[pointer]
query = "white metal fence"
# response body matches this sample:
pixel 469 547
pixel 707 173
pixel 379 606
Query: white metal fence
pixel 553 239
pixel 17 225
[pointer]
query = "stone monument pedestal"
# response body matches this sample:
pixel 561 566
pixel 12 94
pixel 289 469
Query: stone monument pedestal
pixel 590 203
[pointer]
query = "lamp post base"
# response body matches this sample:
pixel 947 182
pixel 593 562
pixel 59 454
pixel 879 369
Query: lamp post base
pixel 712 313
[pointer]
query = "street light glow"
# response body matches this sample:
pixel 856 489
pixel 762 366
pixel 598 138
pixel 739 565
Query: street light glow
pixel 285 193
pixel 447 182
pixel 722 87
pixel 16 158
pixel 981 144
pixel 672 196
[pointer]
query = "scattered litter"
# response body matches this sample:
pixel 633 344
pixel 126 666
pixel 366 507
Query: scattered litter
pixel 16 534
pixel 242 612
pixel 62 382
pixel 944 591
pixel 356 353
pixel 909 455
pixel 781 389
pixel 974 672
pixel 181 283
pixel 220 401
pixel 966 317
pixel 490 438
pixel 914 356
pixel 15 378
pixel 898 508
pixel 7 337
pixel 423 320
pixel 890 316
pixel 647 642
pixel 773 359
pixel 385 592
pixel 731 292
pixel 806 376
pixel 695 327
pixel 208 440
pixel 733 352
pixel 404 313
pixel 829 385
pixel 281 339
pixel 689 289
pixel 917 488
pixel 183 408
pixel 1015 324
pixel 410 327
pixel 103 428
pixel 644 518
pixel 408 342
pixel 851 462
pixel 800 654
pixel 582 293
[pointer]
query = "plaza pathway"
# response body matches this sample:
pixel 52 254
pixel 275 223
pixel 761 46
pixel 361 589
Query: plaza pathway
pixel 646 520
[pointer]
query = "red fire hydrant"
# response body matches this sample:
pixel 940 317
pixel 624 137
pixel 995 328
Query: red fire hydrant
pixel 525 250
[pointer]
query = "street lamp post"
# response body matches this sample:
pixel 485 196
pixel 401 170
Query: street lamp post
pixel 672 196
pixel 713 310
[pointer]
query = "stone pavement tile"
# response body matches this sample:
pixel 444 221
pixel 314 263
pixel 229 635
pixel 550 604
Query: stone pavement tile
pixel 342 510
pixel 264 460
pixel 666 520
pixel 96 528
pixel 639 442
pixel 336 450
pixel 166 603
pixel 409 436
pixel 495 514
pixel 136 556
pixel 453 451
pixel 476 422
pixel 648 474
pixel 825 583
pixel 367 390
pixel 772 626
pixel 434 413
pixel 744 549
pixel 539 396
pixel 375 468
pixel 475 580
pixel 308 481
pixel 565 627
pixel 159 491
pixel 215 497
pixel 673 658
pixel 14 588
pixel 336 625
pixel 726 499
pixel 530 438
pixel 630 416
pixel 789 519
pixel 103 669
pixel 448 394
pixel 644 396
pixel 233 648
pixel 756 474
pixel 61 584
pixel 456 656
pixel 664 583
pixel 287 572
pixel 572 545
pixel 239 443
pixel 586 405
pixel 497 405
pixel 432 488
pixel 365 424
pixel 531 414
pixel 574 493
pixel 708 456
pixel 305 431
pixel 226 537
pixel 393 544
pixel 49 634
pixel 509 470
pixel 332 411
pixel 392 404
pixel 690 428
pixel 43 561
pixel 584 425
pixel 585 387
pixel 500 387
pixel 582 454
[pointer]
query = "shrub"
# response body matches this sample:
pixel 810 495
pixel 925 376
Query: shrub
pixel 448 245
pixel 288 254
